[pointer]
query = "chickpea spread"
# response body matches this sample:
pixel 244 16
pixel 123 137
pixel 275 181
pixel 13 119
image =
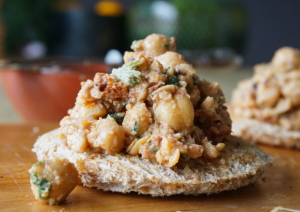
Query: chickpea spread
pixel 272 95
pixel 154 107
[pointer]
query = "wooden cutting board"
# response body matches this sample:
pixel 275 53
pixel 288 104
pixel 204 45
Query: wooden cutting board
pixel 280 186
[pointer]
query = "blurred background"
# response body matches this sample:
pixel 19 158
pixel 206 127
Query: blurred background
pixel 223 39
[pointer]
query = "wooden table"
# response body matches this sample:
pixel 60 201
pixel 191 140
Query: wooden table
pixel 280 186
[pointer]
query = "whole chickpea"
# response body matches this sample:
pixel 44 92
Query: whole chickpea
pixel 137 119
pixel 173 106
pixel 53 180
pixel 106 135
pixel 170 59
pixel 287 57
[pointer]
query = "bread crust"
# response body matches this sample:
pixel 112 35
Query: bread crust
pixel 239 164
pixel 264 133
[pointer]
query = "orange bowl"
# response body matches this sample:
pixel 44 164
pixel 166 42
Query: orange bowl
pixel 46 95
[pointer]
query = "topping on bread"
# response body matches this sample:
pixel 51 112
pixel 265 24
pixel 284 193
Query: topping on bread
pixel 271 99
pixel 154 104
pixel 153 126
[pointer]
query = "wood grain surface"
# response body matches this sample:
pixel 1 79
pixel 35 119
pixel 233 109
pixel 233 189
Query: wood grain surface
pixel 280 186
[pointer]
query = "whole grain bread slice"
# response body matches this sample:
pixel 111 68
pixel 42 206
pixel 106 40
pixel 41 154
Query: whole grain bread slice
pixel 260 132
pixel 239 164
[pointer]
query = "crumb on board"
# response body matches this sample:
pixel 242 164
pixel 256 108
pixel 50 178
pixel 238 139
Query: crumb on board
pixel 231 206
pixel 61 210
pixel 35 131
pixel 265 207
pixel 282 209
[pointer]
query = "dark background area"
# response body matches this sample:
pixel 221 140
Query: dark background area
pixel 272 24
pixel 269 25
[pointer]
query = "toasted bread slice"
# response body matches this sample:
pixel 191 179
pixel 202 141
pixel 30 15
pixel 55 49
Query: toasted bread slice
pixel 239 164
pixel 260 132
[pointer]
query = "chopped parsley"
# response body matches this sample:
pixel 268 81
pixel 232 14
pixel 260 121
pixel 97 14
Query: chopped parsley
pixel 167 46
pixel 128 74
pixel 167 69
pixel 153 149
pixel 123 104
pixel 44 185
pixel 33 176
pixel 221 100
pixel 134 64
pixel 38 163
pixel 135 128
pixel 117 117
pixel 173 80
pixel 44 188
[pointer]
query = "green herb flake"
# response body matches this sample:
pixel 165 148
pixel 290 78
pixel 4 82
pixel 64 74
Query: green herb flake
pixel 153 149
pixel 128 74
pixel 122 104
pixel 134 64
pixel 166 70
pixel 135 128
pixel 167 46
pixel 173 80
pixel 44 188
pixel 221 100
pixel 33 177
pixel 118 118
pixel 38 163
